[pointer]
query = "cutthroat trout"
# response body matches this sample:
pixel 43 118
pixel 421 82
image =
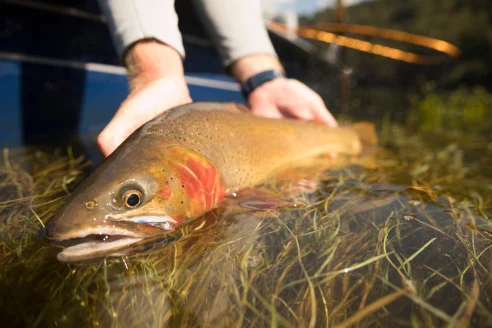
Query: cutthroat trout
pixel 179 166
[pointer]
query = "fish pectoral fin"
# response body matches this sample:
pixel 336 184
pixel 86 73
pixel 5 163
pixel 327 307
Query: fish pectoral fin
pixel 236 108
pixel 260 199
pixel 232 107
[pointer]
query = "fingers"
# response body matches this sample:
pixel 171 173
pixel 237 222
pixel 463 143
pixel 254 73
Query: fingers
pixel 322 114
pixel 133 112
pixel 288 98
pixel 261 106
pixel 312 110
pixel 269 112
pixel 107 143
pixel 301 112
pixel 139 108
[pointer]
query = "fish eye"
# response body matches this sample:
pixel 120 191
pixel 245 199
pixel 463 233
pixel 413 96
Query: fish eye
pixel 132 198
pixel 90 204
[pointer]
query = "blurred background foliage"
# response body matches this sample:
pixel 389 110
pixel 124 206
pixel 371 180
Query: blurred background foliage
pixel 465 23
pixel 464 108
pixel 455 94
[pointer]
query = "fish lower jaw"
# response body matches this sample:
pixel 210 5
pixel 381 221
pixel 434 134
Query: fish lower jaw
pixel 95 242
pixel 101 241
pixel 106 230
pixel 92 249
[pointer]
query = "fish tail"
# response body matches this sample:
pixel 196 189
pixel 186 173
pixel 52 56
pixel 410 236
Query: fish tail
pixel 366 132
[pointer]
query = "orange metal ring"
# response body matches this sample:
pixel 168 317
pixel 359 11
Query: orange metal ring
pixel 319 33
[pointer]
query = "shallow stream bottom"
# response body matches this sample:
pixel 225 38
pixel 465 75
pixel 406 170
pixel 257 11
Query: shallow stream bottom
pixel 401 240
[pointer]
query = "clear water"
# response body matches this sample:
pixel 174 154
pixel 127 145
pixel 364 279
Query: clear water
pixel 403 238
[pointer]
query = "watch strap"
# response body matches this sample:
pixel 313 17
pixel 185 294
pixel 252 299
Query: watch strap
pixel 256 80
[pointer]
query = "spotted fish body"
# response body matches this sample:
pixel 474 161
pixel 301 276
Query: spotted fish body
pixel 181 165
pixel 246 148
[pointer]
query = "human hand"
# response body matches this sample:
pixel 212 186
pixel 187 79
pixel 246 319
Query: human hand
pixel 289 98
pixel 157 83
pixel 140 107
pixel 280 98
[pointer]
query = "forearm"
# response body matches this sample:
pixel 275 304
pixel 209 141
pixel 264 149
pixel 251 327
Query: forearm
pixel 246 67
pixel 149 60
pixel 130 21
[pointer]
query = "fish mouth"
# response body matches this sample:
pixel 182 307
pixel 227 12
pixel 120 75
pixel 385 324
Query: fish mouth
pixel 101 241
pixel 92 248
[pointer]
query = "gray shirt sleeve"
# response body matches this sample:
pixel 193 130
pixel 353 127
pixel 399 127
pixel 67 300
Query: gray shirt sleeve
pixel 236 27
pixel 133 20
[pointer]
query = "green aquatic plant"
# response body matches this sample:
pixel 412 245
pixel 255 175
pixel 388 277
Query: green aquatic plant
pixel 462 109
pixel 400 239
pixel 33 185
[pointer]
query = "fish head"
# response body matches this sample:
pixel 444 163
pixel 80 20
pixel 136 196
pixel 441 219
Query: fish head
pixel 133 195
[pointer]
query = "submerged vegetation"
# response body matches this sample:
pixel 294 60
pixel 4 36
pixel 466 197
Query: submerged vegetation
pixel 403 239
pixel 462 109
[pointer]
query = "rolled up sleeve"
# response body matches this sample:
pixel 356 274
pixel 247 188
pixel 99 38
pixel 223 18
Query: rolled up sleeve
pixel 133 20
pixel 236 27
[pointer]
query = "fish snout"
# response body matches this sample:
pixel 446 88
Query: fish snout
pixel 53 229
pixel 47 230
pixel 72 217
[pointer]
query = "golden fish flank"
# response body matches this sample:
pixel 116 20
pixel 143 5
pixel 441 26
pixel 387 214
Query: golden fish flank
pixel 178 166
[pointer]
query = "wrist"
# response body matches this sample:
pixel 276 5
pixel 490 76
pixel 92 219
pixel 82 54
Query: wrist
pixel 257 80
pixel 149 60
pixel 249 66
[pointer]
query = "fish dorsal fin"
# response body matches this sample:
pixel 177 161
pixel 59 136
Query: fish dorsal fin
pixel 176 112
pixel 203 106
pixel 235 107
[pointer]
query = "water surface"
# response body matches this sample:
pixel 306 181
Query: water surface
pixel 399 238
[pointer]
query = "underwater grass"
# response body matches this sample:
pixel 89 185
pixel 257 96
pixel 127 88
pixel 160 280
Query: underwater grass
pixel 403 240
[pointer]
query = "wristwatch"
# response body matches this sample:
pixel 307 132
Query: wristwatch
pixel 256 80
